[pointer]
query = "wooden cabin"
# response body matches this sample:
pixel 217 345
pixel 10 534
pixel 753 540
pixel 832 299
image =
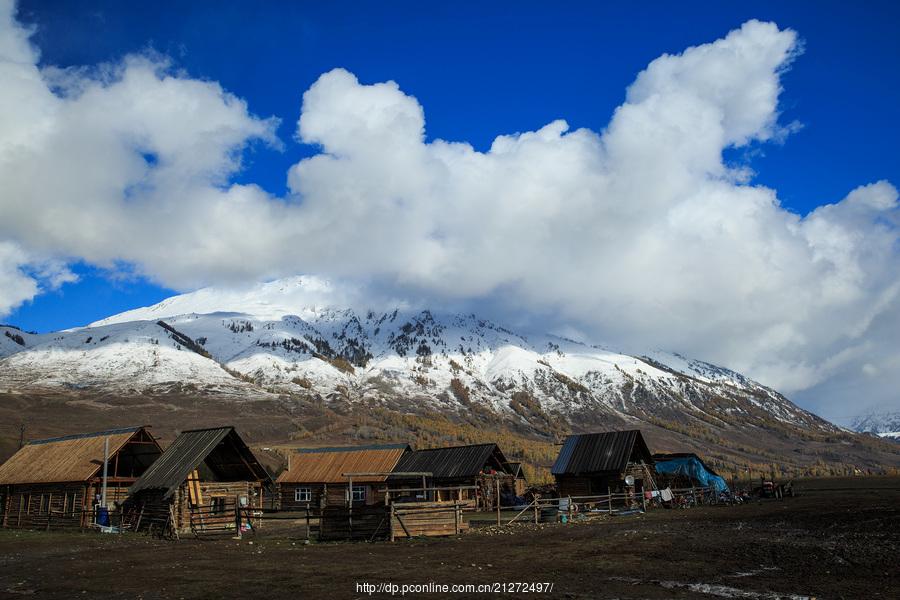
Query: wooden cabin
pixel 57 481
pixel 468 473
pixel 198 484
pixel 317 477
pixel 592 464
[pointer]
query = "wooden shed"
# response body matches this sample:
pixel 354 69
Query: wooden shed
pixel 56 481
pixel 469 473
pixel 198 484
pixel 592 464
pixel 317 476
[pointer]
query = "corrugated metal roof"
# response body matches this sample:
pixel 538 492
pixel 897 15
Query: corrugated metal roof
pixel 608 451
pixel 454 462
pixel 328 465
pixel 63 459
pixel 220 448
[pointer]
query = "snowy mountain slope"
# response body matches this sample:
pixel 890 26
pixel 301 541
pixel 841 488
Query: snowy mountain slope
pixel 883 424
pixel 286 337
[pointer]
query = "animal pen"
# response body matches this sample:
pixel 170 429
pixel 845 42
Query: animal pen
pixel 208 482
pixel 71 481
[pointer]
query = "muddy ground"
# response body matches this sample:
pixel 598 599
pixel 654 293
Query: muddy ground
pixel 839 539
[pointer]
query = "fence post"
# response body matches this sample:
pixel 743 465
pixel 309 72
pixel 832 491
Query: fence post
pixel 535 511
pixel 392 522
pixel 307 521
pixel 609 497
pixel 498 501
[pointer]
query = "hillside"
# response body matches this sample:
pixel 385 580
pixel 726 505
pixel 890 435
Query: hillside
pixel 295 367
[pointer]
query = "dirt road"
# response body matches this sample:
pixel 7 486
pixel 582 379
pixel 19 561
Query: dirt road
pixel 839 539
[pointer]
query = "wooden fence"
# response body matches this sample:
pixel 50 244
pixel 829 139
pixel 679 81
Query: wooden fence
pixel 430 519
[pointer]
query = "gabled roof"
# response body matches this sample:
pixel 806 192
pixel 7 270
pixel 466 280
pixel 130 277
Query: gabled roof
pixel 453 462
pixel 64 459
pixel 515 468
pixel 221 449
pixel 328 465
pixel 607 452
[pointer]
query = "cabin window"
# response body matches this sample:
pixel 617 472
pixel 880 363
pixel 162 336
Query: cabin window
pixel 359 493
pixel 303 494
pixel 217 505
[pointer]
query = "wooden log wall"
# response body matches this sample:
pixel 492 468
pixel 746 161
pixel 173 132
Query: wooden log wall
pixel 286 493
pixel 33 506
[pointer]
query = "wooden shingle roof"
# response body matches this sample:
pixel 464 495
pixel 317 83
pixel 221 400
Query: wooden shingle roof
pixel 328 465
pixel 71 458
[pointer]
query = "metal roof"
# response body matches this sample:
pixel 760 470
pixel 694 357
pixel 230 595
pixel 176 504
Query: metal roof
pixel 606 452
pixel 328 465
pixel 454 462
pixel 221 449
pixel 64 459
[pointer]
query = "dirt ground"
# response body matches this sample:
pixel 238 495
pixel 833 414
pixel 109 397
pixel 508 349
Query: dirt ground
pixel 839 539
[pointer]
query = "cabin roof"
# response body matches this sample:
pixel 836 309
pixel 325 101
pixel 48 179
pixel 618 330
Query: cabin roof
pixel 605 452
pixel 220 448
pixel 328 465
pixel 65 459
pixel 453 462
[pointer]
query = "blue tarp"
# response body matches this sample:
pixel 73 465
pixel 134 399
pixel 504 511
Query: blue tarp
pixel 693 467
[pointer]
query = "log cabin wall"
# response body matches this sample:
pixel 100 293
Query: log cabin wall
pixel 29 506
pixel 210 491
pixel 288 495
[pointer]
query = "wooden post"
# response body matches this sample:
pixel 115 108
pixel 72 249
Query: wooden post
pixel 350 506
pixel 392 523
pixel 498 501
pixel 456 519
pixel 307 521
pixel 609 497
pixel 536 509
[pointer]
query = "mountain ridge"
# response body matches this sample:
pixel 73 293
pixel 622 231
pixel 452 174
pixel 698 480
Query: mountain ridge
pixel 286 340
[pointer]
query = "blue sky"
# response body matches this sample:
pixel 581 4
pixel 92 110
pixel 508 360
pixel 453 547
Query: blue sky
pixel 724 183
pixel 480 71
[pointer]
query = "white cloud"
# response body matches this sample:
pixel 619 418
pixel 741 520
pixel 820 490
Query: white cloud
pixel 639 235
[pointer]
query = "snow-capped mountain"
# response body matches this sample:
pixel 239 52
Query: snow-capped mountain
pixel 882 424
pixel 288 337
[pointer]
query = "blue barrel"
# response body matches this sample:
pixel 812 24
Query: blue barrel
pixel 103 516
